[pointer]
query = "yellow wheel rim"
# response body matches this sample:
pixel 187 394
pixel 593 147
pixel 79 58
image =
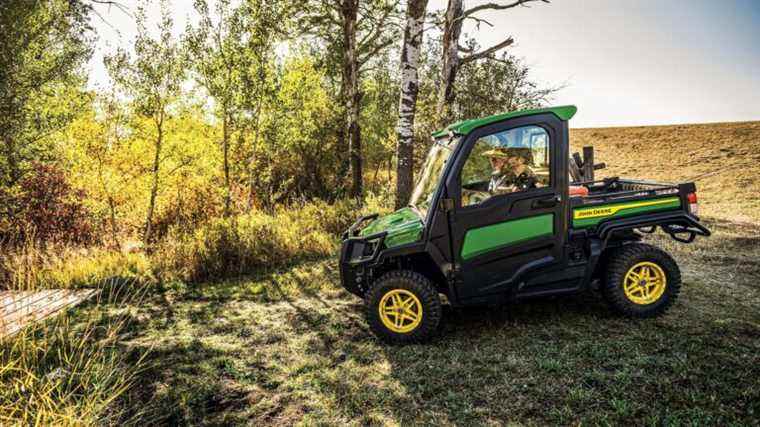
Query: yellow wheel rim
pixel 400 311
pixel 644 283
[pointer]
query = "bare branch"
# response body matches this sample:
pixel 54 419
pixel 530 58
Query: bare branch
pixel 478 21
pixel 377 26
pixel 486 52
pixel 377 48
pixel 497 6
pixel 110 3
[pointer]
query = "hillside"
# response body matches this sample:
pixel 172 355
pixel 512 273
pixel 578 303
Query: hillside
pixel 724 158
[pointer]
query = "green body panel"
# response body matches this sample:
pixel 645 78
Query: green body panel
pixel 590 216
pixel 403 226
pixel 481 240
pixel 565 112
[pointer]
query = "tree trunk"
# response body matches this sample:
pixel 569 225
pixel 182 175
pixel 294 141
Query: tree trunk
pixel 341 146
pixel 154 184
pixel 349 10
pixel 374 176
pixel 451 32
pixel 111 204
pixel 390 169
pixel 13 169
pixel 114 227
pixel 226 161
pixel 254 142
pixel 410 60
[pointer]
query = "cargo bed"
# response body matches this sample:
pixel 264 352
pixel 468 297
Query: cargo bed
pixel 612 201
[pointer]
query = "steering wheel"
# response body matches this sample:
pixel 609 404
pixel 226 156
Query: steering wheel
pixel 474 197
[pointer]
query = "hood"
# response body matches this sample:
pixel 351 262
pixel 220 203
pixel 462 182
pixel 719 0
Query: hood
pixel 403 226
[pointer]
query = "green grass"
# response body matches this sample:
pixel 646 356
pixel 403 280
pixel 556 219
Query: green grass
pixel 290 346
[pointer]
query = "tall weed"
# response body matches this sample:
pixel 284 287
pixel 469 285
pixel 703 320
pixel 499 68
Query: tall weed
pixel 72 369
pixel 227 247
pixel 33 266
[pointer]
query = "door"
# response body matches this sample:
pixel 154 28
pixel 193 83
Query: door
pixel 508 222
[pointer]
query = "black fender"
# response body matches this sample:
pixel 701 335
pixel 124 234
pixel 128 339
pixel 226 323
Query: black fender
pixel 441 269
pixel 674 223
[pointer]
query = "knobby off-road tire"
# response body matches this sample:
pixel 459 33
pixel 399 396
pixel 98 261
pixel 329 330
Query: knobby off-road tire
pixel 641 281
pixel 414 300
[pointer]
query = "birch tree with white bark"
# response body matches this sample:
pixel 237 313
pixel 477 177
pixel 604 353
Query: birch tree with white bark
pixel 410 62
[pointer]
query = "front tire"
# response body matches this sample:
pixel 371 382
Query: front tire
pixel 641 281
pixel 403 307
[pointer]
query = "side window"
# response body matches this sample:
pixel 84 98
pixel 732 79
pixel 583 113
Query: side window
pixel 506 162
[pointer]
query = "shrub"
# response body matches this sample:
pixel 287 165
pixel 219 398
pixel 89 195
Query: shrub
pixel 189 212
pixel 240 245
pixel 258 240
pixel 44 207
pixel 219 248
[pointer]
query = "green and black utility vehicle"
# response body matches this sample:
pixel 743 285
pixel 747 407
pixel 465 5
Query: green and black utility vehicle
pixel 496 216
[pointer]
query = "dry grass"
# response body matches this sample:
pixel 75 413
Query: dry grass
pixel 34 267
pixel 724 158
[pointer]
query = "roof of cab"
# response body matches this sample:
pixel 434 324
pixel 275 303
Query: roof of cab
pixel 563 112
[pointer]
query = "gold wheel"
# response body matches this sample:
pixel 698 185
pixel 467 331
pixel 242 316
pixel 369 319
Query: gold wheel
pixel 644 283
pixel 400 311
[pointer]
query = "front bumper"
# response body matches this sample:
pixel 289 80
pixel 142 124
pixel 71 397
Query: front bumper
pixel 357 254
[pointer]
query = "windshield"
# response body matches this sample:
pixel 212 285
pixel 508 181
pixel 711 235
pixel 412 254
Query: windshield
pixel 431 174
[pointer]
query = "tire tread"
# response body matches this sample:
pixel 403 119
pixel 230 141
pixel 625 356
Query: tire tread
pixel 620 261
pixel 425 291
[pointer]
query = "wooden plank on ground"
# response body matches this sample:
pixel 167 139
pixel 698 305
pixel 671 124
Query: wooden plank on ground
pixel 20 308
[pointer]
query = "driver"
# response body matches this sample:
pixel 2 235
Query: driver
pixel 510 170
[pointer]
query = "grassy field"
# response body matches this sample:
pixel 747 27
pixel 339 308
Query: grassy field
pixel 290 346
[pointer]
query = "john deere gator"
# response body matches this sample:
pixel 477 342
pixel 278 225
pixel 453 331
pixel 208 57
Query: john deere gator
pixel 496 216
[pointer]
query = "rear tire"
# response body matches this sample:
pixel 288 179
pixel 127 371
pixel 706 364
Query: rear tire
pixel 403 307
pixel 641 281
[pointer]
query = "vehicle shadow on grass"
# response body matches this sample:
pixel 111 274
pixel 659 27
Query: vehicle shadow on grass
pixel 451 379
pixel 559 361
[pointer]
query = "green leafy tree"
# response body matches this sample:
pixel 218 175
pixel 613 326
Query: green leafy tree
pixel 353 33
pixel 379 105
pixel 97 159
pixel 152 79
pixel 42 47
pixel 230 57
pixel 297 159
